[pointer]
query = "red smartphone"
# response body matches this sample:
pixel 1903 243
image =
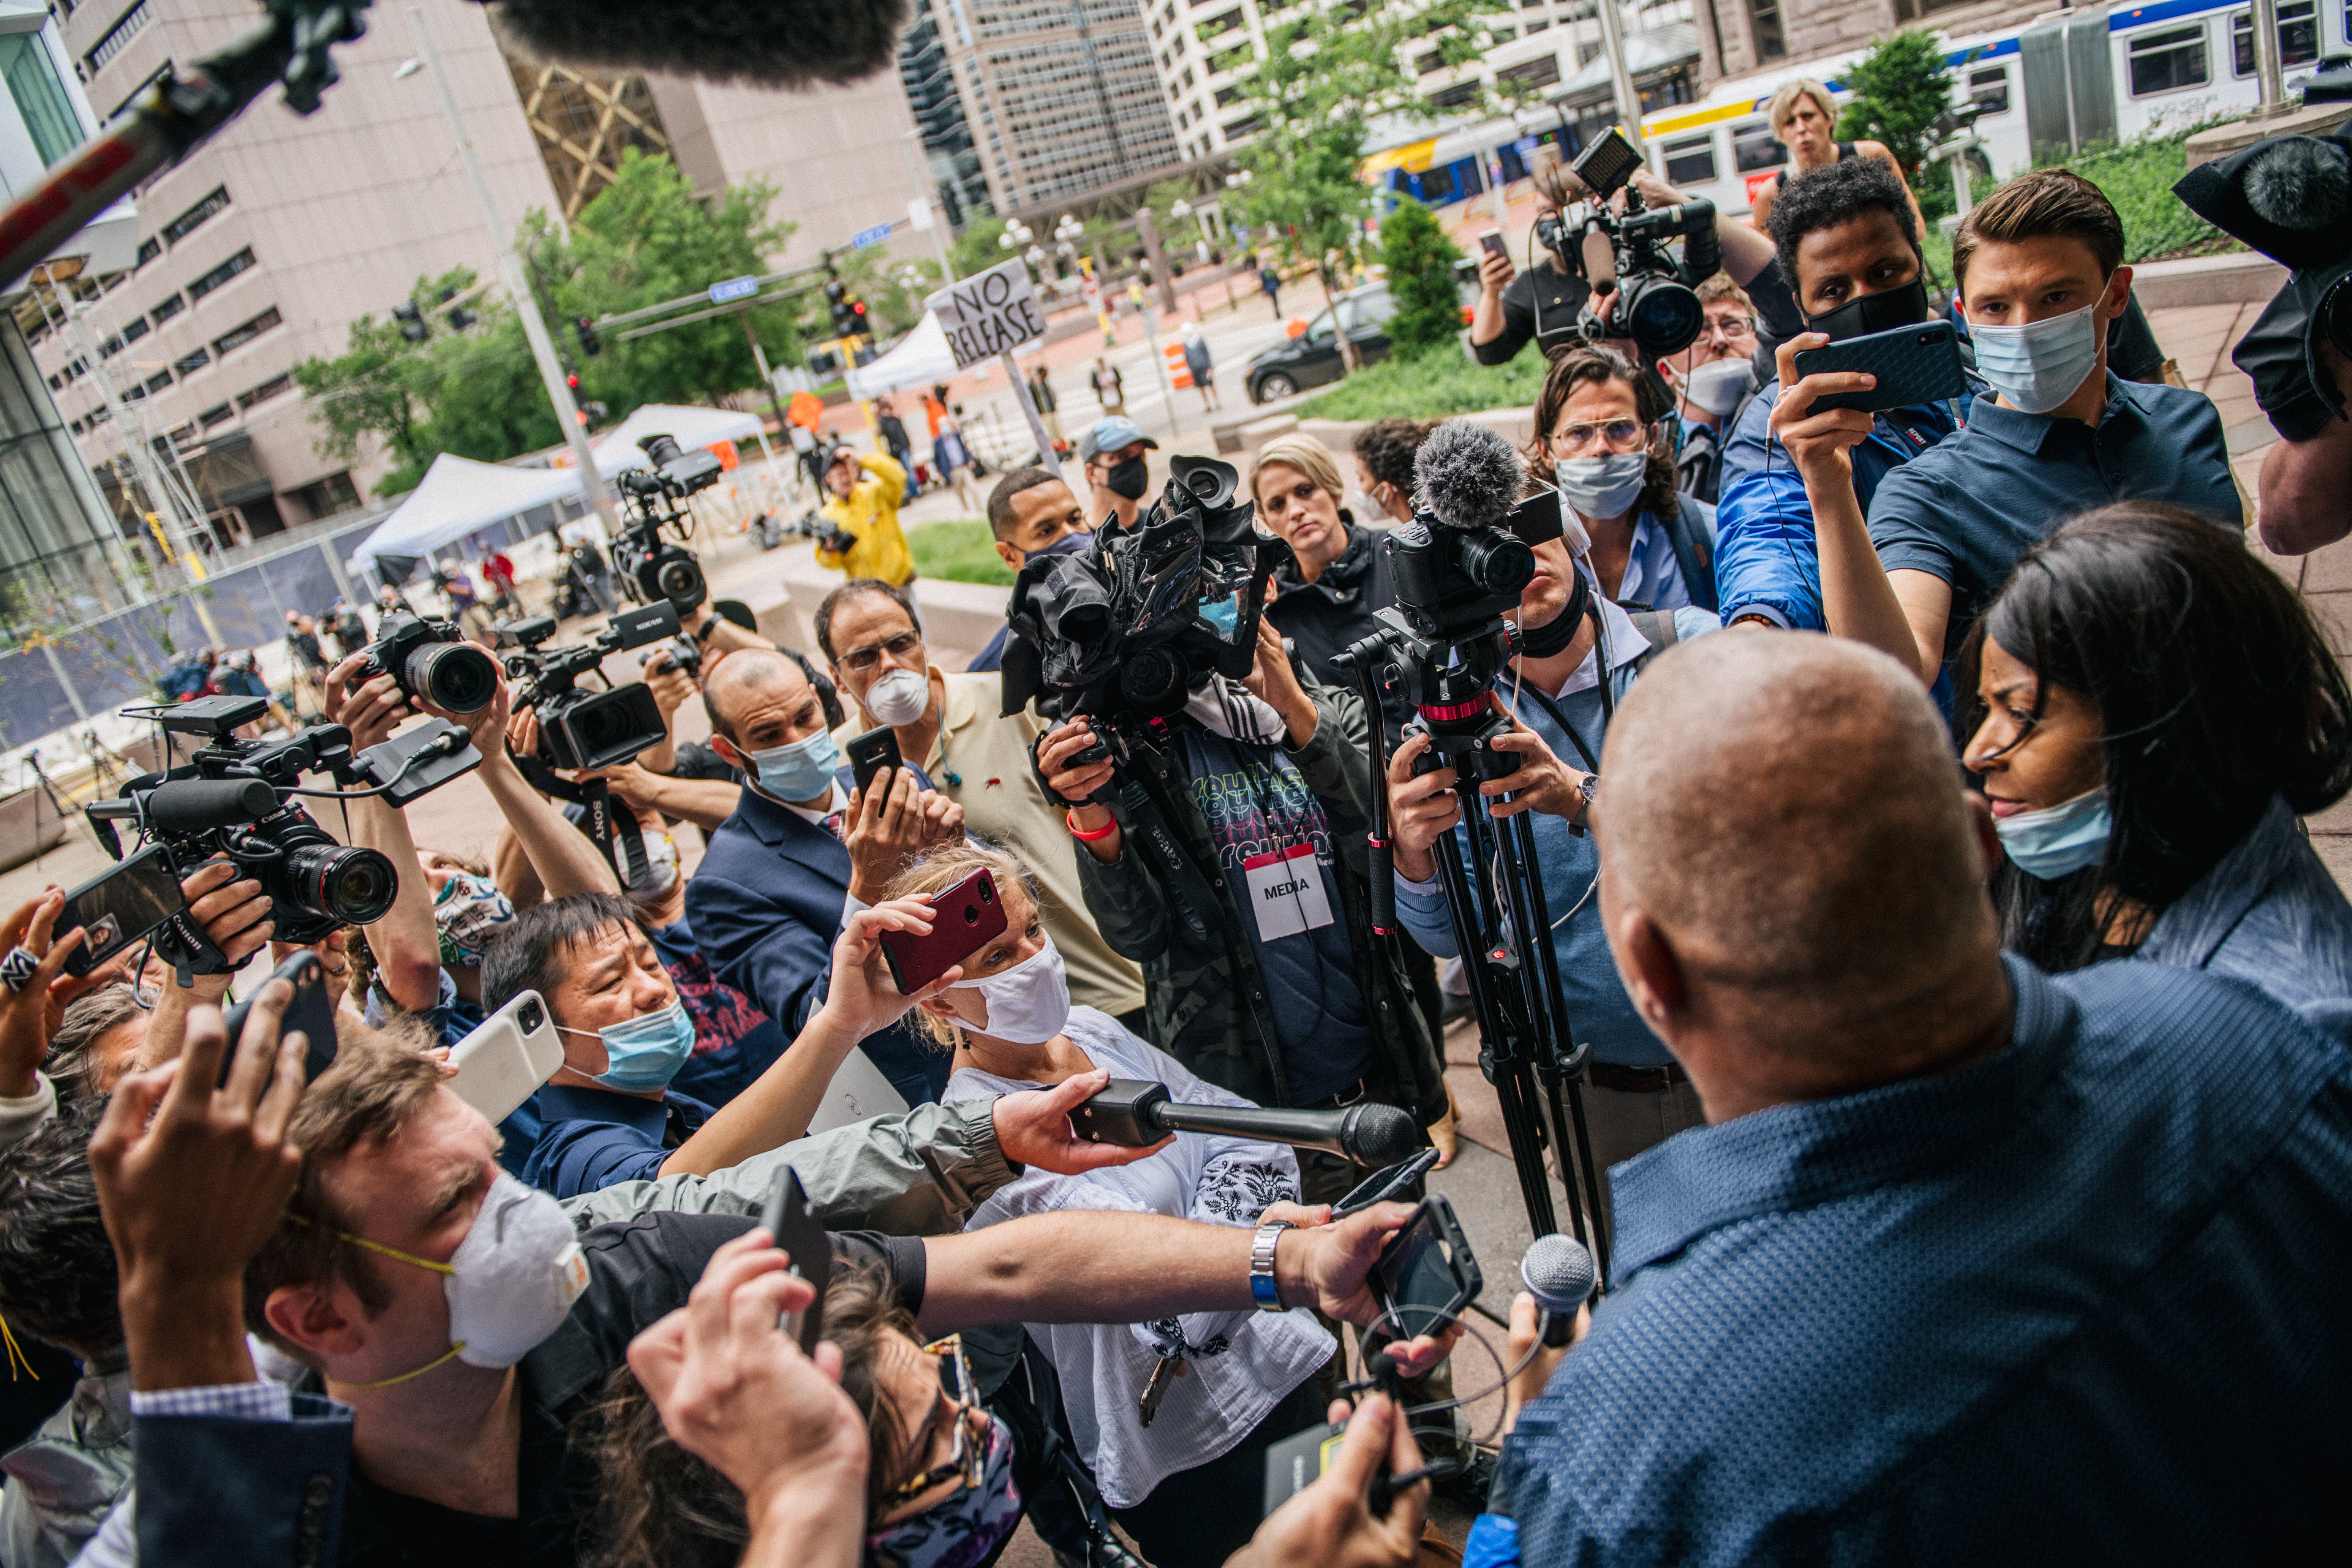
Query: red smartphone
pixel 963 917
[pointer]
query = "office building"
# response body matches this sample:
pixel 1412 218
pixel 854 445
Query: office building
pixel 952 162
pixel 1736 36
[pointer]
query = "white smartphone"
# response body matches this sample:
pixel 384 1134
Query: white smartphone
pixel 502 1063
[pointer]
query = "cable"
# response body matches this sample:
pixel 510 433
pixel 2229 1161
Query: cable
pixel 414 757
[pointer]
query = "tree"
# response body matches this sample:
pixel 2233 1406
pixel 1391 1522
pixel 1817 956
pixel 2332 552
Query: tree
pixel 1421 261
pixel 1899 88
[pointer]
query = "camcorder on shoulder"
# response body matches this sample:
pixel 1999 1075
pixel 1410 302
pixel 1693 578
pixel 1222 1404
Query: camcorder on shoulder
pixel 1126 629
pixel 654 568
pixel 581 729
pixel 1649 302
pixel 231 798
pixel 432 660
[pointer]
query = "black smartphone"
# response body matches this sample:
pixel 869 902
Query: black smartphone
pixel 122 907
pixel 1914 365
pixel 1492 242
pixel 1427 1274
pixel 874 751
pixel 1380 1186
pixel 311 1011
pixel 804 1239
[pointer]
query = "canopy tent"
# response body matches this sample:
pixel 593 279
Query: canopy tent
pixel 617 448
pixel 921 359
pixel 458 497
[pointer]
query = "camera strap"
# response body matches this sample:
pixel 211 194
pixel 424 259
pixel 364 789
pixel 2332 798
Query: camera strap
pixel 610 823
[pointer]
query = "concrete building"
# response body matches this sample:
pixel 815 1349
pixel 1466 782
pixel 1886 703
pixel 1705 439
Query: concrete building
pixel 1737 36
pixel 260 250
pixel 944 125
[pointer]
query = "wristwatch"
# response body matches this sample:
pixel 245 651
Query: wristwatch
pixel 1262 1289
pixel 710 623
pixel 1589 786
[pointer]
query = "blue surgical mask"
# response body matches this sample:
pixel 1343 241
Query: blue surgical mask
pixel 2060 838
pixel 801 771
pixel 2040 364
pixel 1070 544
pixel 645 1053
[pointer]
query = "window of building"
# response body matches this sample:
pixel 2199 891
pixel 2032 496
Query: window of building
pixel 219 413
pixel 327 496
pixel 1691 160
pixel 1428 62
pixel 111 43
pixel 275 386
pixel 1586 53
pixel 1504 35
pixel 149 249
pixel 1771 43
pixel 1228 96
pixel 1221 24
pixel 1236 129
pixel 135 331
pixel 1437 184
pixel 240 262
pixel 1989 89
pixel 195 361
pixel 96 418
pixel 1454 96
pixel 188 222
pixel 2169 60
pixel 167 309
pixel 157 382
pixel 1540 24
pixel 40 96
pixel 150 79
pixel 1542 71
pixel 2298 35
pixel 109 348
pixel 1754 147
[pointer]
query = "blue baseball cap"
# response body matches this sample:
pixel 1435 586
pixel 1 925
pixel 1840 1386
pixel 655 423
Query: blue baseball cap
pixel 1110 435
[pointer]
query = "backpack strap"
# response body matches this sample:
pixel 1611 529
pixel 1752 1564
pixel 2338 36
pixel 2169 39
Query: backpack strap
pixel 1691 531
pixel 1658 628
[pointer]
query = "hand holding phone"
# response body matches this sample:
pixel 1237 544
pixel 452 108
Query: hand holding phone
pixel 801 1235
pixel 1914 365
pixel 502 1063
pixel 963 917
pixel 313 1011
pixel 874 753
pixel 1383 1186
pixel 122 907
pixel 1426 1274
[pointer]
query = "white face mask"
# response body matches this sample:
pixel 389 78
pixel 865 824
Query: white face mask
pixel 1717 385
pixel 2040 364
pixel 1604 486
pixel 1028 1003
pixel 900 698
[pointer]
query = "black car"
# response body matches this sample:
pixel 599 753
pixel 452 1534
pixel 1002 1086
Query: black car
pixel 1313 357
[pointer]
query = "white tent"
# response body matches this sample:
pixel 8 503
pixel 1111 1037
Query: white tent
pixel 921 359
pixel 458 497
pixel 617 448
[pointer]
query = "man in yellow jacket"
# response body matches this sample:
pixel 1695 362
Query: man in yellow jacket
pixel 861 502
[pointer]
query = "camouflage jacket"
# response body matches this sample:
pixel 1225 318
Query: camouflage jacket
pixel 1205 1000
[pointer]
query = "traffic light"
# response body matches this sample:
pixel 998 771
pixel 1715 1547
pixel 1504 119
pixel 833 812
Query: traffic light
pixel 461 318
pixel 412 322
pixel 589 343
pixel 858 322
pixel 848 318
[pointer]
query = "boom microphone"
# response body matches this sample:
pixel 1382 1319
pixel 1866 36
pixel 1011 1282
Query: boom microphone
pixel 193 805
pixel 2287 196
pixel 1136 1114
pixel 1558 1272
pixel 770 43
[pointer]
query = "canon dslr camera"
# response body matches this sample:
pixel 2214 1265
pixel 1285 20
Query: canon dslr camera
pixel 432 660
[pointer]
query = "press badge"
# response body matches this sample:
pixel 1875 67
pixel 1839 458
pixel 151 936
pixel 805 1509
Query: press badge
pixel 1286 892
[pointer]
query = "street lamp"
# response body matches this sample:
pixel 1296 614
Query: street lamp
pixel 1237 179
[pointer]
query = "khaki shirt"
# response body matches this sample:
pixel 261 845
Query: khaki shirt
pixel 1004 803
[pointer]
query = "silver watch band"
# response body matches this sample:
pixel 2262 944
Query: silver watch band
pixel 1262 1288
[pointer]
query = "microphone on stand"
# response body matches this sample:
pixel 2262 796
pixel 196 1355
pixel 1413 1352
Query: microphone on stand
pixel 1136 1114
pixel 1558 1272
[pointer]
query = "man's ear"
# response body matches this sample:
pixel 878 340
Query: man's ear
pixel 1653 972
pixel 1004 552
pixel 2118 293
pixel 320 1319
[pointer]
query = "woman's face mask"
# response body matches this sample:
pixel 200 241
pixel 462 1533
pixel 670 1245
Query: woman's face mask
pixel 2058 840
pixel 468 912
pixel 1028 1003
pixel 963 1529
pixel 1604 486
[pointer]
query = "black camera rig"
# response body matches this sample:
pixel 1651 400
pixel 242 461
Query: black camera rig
pixel 1649 302
pixel 654 568
pixel 431 660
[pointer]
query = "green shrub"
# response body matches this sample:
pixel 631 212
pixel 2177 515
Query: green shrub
pixel 959 552
pixel 2138 177
pixel 1432 384
pixel 1421 261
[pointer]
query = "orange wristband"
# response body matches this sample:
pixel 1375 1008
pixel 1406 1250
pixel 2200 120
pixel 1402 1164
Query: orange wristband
pixel 1070 821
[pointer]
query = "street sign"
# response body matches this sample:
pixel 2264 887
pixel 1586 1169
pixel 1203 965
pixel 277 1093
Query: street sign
pixel 865 237
pixel 989 312
pixel 733 288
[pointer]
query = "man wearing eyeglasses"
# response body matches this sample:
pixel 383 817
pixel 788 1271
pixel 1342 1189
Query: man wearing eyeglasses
pixel 952 727
pixel 1710 379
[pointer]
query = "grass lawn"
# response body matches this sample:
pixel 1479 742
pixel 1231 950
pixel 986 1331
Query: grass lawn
pixel 960 552
pixel 1444 381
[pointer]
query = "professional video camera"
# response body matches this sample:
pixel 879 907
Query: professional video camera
pixel 1128 627
pixel 229 798
pixel 586 729
pixel 1649 302
pixel 431 660
pixel 657 497
pixel 2287 197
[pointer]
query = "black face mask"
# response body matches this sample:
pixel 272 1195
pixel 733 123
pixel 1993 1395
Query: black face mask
pixel 1069 543
pixel 1128 480
pixel 1905 306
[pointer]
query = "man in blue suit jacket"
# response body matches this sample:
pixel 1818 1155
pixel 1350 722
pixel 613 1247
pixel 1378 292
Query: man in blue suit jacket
pixel 768 899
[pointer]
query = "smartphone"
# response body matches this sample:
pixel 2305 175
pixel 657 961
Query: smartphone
pixel 873 752
pixel 1381 1186
pixel 962 918
pixel 313 1011
pixel 802 1238
pixel 122 907
pixel 1492 243
pixel 1426 1274
pixel 1914 364
pixel 507 1057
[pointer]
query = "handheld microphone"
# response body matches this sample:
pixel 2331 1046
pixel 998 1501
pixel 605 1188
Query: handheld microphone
pixel 1558 1272
pixel 773 43
pixel 1136 1114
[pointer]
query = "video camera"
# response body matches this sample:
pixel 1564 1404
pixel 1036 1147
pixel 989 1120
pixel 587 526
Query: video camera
pixel 433 660
pixel 1649 302
pixel 1126 626
pixel 657 497
pixel 2285 196
pixel 227 799
pixel 586 729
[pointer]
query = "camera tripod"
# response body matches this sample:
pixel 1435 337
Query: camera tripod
pixel 1502 929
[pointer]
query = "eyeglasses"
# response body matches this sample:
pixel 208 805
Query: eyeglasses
pixel 862 659
pixel 966 1462
pixel 1618 435
pixel 1730 329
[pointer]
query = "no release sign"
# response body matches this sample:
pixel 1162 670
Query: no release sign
pixel 989 312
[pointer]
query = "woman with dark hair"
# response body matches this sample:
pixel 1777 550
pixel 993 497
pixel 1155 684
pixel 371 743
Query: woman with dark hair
pixel 1602 437
pixel 2155 707
pixel 1384 453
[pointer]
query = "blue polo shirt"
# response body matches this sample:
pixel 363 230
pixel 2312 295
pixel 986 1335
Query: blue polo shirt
pixel 1966 511
pixel 2079 1301
pixel 593 1138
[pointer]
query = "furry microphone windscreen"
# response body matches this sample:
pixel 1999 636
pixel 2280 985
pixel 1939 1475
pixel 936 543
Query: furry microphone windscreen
pixel 1468 474
pixel 771 43
pixel 2300 182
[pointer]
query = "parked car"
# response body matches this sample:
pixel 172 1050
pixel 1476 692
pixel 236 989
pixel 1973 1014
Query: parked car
pixel 1312 358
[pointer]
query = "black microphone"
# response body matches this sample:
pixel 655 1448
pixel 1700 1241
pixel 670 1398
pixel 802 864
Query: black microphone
pixel 1136 1114
pixel 1469 474
pixel 773 43
pixel 1558 1272
pixel 198 805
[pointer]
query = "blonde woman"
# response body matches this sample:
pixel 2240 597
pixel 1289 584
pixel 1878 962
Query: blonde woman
pixel 1186 1475
pixel 1804 117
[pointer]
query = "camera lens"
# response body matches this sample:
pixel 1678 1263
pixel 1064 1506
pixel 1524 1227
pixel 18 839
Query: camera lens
pixel 353 886
pixel 659 449
pixel 681 580
pixel 1498 562
pixel 1662 315
pixel 456 677
pixel 1154 678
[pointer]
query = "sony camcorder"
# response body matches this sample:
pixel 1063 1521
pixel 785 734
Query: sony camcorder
pixel 663 569
pixel 581 729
